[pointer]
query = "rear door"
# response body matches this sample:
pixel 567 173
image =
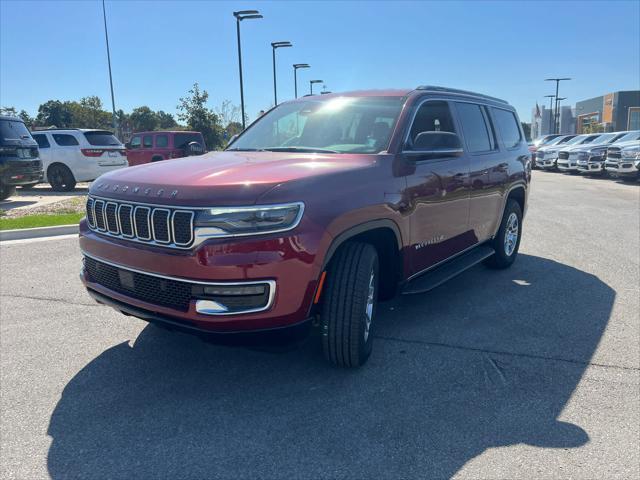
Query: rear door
pixel 67 151
pixel 147 148
pixel 488 168
pixel 161 146
pixel 437 192
pixel 44 147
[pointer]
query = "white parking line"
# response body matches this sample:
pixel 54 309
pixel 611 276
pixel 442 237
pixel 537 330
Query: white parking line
pixel 40 239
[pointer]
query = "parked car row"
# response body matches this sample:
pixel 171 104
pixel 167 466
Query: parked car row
pixel 616 154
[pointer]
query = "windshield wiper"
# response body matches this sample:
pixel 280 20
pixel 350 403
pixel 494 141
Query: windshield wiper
pixel 245 150
pixel 301 149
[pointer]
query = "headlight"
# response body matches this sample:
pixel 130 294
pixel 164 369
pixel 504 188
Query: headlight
pixel 258 219
pixel 633 152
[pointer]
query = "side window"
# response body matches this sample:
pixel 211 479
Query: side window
pixel 64 140
pixel 475 128
pixel 433 116
pixel 42 140
pixel 507 124
pixel 162 141
pixel 147 141
pixel 135 142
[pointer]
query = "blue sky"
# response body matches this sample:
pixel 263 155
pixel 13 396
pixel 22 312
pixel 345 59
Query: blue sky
pixel 55 50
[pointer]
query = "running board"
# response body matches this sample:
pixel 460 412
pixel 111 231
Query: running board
pixel 436 277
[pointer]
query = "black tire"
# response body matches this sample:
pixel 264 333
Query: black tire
pixel 61 178
pixel 502 258
pixel 347 337
pixel 28 186
pixel 7 191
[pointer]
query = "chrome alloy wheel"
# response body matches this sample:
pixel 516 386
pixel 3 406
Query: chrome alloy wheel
pixel 511 234
pixel 369 308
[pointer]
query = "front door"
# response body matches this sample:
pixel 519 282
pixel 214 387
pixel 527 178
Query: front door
pixel 134 151
pixel 437 195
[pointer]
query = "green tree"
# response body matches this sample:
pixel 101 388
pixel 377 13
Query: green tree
pixel 143 119
pixel 165 120
pixel 54 113
pixel 194 111
pixel 26 118
pixel 10 111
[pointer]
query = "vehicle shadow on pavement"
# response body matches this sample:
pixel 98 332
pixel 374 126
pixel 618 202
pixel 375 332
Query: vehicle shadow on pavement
pixel 488 360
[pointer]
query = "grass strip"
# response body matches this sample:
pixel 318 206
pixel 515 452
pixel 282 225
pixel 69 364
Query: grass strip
pixel 42 220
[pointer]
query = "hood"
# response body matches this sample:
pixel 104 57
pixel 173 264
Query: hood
pixel 220 178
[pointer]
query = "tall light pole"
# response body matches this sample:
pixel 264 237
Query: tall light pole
pixel 296 66
pixel 114 122
pixel 274 47
pixel 558 100
pixel 243 15
pixel 311 82
pixel 550 97
pixel 557 80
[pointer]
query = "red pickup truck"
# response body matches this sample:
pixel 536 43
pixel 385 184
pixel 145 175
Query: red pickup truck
pixel 320 208
pixel 146 147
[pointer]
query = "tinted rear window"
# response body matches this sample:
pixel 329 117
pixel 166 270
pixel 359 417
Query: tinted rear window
pixel 64 140
pixel 474 126
pixel 12 130
pixel 180 140
pixel 42 140
pixel 103 139
pixel 508 126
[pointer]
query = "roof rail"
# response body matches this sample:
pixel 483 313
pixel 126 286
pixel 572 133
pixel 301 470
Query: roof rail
pixel 457 91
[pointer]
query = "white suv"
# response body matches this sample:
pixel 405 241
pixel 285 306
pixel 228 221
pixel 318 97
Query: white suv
pixel 73 155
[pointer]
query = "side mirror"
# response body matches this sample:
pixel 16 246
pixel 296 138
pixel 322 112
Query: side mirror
pixel 232 139
pixel 127 145
pixel 442 143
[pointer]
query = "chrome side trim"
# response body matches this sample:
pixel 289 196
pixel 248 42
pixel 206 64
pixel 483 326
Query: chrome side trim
pixel 271 283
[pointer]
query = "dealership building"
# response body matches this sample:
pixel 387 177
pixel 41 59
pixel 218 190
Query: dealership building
pixel 615 111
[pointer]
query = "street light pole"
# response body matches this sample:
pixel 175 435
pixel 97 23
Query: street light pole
pixel 274 46
pixel 243 15
pixel 311 82
pixel 114 122
pixel 296 66
pixel 558 100
pixel 550 97
pixel 557 80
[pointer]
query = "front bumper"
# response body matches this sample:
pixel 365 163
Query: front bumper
pixel 291 262
pixel 567 166
pixel 547 163
pixel 624 167
pixel 590 167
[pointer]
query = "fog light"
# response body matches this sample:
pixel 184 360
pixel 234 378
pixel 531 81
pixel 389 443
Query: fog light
pixel 234 290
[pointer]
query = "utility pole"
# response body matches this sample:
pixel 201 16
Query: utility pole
pixel 557 80
pixel 114 121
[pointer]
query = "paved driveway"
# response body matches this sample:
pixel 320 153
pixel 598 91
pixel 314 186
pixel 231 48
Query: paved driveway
pixel 527 373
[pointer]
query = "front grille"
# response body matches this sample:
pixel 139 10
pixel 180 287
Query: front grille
pixel 614 152
pixel 178 294
pixel 563 155
pixel 147 288
pixel 164 226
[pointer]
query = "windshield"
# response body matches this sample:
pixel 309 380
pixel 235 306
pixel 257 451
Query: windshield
pixel 629 137
pixel 102 139
pixel 559 140
pixel 13 130
pixel 577 140
pixel 606 138
pixel 335 125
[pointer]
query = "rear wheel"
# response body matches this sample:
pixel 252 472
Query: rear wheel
pixel 61 178
pixel 507 242
pixel 349 305
pixel 6 191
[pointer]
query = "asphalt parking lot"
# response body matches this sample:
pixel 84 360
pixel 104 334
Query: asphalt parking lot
pixel 531 372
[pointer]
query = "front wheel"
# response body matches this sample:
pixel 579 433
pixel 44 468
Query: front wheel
pixel 6 191
pixel 507 242
pixel 349 305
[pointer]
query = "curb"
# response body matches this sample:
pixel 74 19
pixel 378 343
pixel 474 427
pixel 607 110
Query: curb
pixel 24 233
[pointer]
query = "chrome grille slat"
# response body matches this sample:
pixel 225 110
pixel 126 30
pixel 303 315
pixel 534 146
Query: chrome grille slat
pixel 143 223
